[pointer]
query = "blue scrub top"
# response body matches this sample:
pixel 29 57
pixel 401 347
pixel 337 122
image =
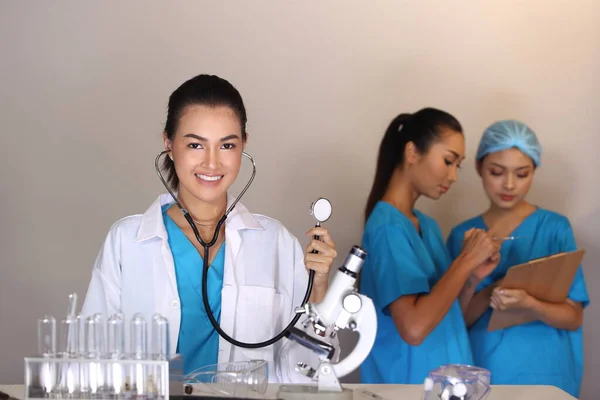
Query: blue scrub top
pixel 198 342
pixel 400 262
pixel 532 353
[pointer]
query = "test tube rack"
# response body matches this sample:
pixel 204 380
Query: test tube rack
pixel 84 378
pixel 91 359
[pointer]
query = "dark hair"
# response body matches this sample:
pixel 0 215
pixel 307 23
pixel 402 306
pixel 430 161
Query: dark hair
pixel 422 128
pixel 205 90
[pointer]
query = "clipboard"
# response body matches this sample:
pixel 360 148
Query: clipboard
pixel 547 278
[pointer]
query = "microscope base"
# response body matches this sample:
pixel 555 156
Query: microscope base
pixel 301 392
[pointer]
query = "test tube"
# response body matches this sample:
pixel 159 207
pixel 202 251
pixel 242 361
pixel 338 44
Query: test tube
pixel 100 334
pixel 115 336
pixel 68 345
pixel 81 336
pixel 115 348
pixel 139 350
pixel 93 336
pixel 139 345
pixel 47 349
pixel 101 347
pixel 92 372
pixel 47 336
pixel 72 304
pixel 160 337
pixel 71 323
pixel 159 350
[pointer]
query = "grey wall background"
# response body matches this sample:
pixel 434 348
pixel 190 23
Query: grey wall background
pixel 83 99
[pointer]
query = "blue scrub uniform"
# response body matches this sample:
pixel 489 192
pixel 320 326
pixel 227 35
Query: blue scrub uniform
pixel 401 262
pixel 533 353
pixel 198 342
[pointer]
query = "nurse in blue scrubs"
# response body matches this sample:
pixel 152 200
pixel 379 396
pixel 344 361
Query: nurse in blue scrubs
pixel 198 340
pixel 408 273
pixel 548 351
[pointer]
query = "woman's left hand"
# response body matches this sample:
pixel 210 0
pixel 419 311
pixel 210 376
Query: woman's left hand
pixel 505 299
pixel 320 262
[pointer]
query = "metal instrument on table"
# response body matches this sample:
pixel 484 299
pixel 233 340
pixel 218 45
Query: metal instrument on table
pixel 342 308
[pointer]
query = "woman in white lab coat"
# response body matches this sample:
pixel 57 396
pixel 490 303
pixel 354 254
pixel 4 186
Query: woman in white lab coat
pixel 152 263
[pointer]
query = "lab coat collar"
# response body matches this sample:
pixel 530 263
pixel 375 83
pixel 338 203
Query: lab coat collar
pixel 153 226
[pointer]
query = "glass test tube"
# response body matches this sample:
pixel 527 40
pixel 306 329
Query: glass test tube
pixel 115 349
pixel 47 349
pixel 139 349
pixel 101 347
pixel 92 337
pixel 115 337
pixel 46 336
pixel 72 304
pixel 160 337
pixel 68 345
pixel 81 336
pixel 139 337
pixel 158 379
pixel 92 376
pixel 100 334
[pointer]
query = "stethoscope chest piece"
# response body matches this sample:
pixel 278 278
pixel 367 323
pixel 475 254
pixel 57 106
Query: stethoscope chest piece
pixel 321 210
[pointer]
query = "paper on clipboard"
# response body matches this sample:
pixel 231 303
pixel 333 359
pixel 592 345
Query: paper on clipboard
pixel 547 278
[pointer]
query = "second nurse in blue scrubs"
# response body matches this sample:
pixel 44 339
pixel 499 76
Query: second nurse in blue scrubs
pixel 548 351
pixel 408 273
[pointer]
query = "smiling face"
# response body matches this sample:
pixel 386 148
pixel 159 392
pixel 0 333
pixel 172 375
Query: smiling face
pixel 433 173
pixel 207 151
pixel 507 176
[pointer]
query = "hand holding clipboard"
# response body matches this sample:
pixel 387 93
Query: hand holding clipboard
pixel 548 279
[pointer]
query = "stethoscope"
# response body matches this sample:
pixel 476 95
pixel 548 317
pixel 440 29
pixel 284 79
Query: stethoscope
pixel 320 210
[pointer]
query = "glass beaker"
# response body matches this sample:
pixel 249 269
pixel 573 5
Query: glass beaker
pixel 457 382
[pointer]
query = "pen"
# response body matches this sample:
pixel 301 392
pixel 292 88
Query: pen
pixel 507 238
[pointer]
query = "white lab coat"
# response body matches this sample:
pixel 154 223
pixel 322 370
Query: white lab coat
pixel 264 280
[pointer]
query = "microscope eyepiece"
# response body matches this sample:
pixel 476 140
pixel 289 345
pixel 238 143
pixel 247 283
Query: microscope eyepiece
pixel 354 261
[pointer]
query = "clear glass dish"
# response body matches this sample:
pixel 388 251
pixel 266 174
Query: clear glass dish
pixel 457 382
pixel 238 378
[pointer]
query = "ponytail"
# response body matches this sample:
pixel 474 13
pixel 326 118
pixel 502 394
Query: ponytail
pixel 391 154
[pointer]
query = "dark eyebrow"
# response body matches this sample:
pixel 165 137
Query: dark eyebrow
pixel 203 139
pixel 502 166
pixel 454 153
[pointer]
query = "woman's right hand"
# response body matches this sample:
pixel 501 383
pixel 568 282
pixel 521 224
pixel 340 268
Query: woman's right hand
pixel 480 251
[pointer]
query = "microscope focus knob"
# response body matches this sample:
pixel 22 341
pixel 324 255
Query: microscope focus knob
pixel 352 303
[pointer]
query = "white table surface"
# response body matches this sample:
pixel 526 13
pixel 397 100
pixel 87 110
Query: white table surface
pixel 404 392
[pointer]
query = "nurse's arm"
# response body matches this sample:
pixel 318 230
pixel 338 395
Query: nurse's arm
pixel 567 315
pixel 478 305
pixel 415 316
pixel 467 294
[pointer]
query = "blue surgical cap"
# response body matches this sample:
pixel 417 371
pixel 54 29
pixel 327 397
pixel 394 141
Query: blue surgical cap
pixel 509 134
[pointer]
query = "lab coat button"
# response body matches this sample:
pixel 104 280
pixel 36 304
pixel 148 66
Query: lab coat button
pixel 175 303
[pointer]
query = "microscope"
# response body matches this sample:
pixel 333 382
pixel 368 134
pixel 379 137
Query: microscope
pixel 342 308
